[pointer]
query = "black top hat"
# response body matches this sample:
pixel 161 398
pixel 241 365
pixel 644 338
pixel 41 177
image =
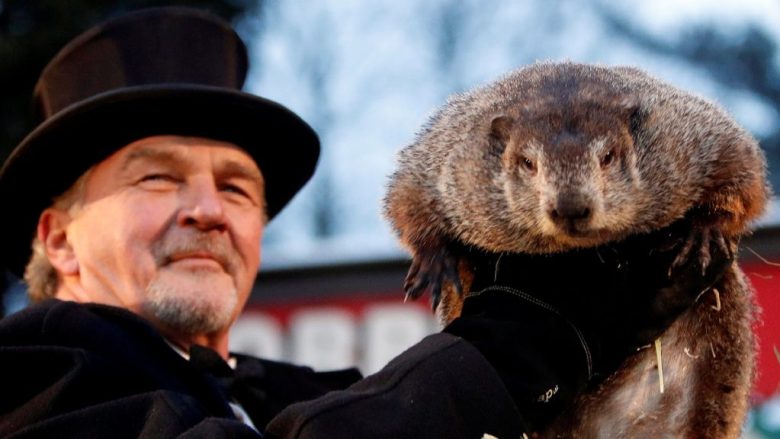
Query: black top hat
pixel 173 71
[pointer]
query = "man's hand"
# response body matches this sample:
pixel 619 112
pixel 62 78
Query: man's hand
pixel 541 357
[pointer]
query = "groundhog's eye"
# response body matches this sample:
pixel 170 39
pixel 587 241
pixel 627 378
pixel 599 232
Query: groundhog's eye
pixel 608 158
pixel 527 164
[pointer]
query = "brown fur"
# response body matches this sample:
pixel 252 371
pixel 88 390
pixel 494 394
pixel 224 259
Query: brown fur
pixel 708 359
pixel 492 164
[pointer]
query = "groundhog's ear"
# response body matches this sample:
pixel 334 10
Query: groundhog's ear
pixel 635 121
pixel 632 113
pixel 500 127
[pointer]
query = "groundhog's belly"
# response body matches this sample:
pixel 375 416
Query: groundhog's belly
pixel 707 364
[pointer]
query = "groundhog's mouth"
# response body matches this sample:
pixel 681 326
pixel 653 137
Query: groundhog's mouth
pixel 576 230
pixel 578 237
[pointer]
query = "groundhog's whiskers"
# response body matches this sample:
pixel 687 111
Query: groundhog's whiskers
pixel 763 259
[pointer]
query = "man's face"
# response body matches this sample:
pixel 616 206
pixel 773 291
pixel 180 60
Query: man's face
pixel 170 228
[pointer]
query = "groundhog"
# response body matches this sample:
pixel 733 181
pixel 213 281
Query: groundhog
pixel 558 159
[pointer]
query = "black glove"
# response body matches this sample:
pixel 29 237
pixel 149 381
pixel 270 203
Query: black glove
pixel 569 320
pixel 541 357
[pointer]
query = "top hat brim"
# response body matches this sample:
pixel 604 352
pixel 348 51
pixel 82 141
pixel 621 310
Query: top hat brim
pixel 51 158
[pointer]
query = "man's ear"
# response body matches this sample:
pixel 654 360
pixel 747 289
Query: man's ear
pixel 53 234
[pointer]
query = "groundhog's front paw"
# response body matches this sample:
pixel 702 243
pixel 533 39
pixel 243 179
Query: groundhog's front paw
pixel 705 252
pixel 694 257
pixel 431 268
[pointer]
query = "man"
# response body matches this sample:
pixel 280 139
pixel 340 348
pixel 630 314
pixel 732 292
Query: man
pixel 145 191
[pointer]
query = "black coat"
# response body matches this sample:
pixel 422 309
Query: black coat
pixel 73 370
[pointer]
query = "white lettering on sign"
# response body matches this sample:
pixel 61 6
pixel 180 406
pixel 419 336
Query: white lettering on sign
pixel 323 338
pixel 259 335
pixel 390 330
pixel 327 338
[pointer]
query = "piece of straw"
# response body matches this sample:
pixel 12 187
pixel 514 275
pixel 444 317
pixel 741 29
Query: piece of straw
pixel 716 307
pixel 660 364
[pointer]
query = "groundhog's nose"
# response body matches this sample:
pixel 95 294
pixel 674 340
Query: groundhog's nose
pixel 571 211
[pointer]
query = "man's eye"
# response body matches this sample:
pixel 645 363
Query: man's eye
pixel 152 177
pixel 157 179
pixel 234 189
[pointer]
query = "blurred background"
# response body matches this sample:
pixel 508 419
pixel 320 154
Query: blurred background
pixel 367 75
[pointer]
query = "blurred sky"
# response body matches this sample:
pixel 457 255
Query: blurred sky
pixel 367 75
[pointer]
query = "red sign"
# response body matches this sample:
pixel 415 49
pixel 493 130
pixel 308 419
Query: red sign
pixel 369 329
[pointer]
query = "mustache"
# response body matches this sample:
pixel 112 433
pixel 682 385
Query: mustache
pixel 173 244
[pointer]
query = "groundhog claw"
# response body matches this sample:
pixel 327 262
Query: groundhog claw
pixel 430 270
pixel 705 248
pixel 413 286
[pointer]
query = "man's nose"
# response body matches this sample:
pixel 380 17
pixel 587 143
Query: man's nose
pixel 202 207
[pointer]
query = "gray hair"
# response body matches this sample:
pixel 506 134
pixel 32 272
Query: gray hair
pixel 41 276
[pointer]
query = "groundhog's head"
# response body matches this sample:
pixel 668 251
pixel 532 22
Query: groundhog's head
pixel 564 167
pixel 569 170
pixel 555 157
